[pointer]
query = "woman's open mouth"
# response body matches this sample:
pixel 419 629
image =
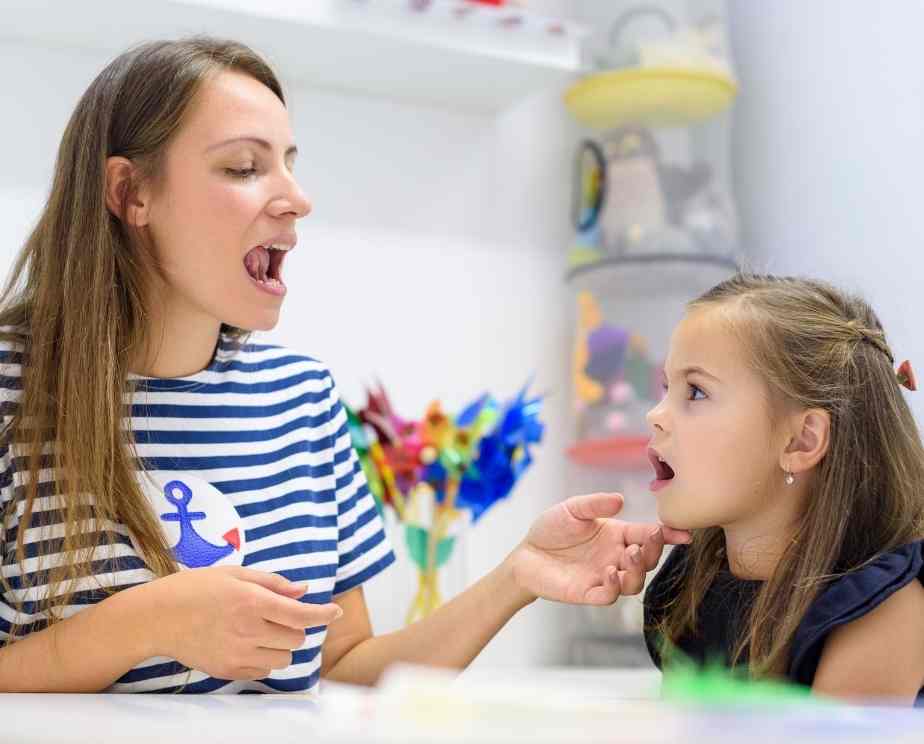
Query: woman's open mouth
pixel 264 267
pixel 664 473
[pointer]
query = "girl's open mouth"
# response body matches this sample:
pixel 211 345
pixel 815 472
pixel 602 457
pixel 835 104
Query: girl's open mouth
pixel 664 473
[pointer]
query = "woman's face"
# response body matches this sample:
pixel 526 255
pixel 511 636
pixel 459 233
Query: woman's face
pixel 227 193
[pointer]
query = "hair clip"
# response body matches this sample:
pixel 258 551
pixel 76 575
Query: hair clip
pixel 905 376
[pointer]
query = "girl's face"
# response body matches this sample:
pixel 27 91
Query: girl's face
pixel 712 430
pixel 227 188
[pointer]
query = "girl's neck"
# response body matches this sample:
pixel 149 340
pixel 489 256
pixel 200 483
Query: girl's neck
pixel 754 549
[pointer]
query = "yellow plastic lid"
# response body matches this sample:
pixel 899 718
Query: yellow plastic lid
pixel 649 96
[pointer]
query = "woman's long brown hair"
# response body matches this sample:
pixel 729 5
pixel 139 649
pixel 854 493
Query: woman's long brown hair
pixel 816 347
pixel 76 305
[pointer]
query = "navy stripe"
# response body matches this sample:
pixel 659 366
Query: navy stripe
pixel 171 410
pixel 296 684
pixel 10 383
pixel 200 436
pixel 362 520
pixel 56 544
pixel 300 521
pixel 218 388
pixel 347 504
pixel 209 684
pixel 279 502
pixel 364 547
pixel 300 547
pixel 234 461
pixel 367 573
pixel 110 564
pixel 142 674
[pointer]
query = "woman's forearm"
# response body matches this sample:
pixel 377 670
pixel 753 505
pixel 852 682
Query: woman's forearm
pixel 87 652
pixel 451 637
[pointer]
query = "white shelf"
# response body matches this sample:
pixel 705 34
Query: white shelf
pixel 454 54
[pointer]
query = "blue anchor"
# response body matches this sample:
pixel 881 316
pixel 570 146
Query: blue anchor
pixel 193 550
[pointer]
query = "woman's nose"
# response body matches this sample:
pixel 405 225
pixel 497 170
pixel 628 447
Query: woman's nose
pixel 291 201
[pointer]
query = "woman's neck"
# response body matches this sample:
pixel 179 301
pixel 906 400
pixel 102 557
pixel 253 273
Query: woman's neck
pixel 180 342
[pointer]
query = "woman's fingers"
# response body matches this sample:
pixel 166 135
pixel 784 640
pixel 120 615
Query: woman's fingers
pixel 632 575
pixel 675 537
pixel 594 505
pixel 652 548
pixel 281 637
pixel 607 592
pixel 295 614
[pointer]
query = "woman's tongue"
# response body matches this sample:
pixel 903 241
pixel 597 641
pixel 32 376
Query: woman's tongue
pixel 257 263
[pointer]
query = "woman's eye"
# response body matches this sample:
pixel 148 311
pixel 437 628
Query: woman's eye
pixel 241 173
pixel 695 391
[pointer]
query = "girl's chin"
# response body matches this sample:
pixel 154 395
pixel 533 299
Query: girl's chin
pixel 679 520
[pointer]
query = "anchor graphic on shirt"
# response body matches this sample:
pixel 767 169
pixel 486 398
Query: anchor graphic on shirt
pixel 193 550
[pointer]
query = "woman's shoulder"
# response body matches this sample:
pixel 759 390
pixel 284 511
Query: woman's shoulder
pixel 12 350
pixel 12 344
pixel 850 597
pixel 271 361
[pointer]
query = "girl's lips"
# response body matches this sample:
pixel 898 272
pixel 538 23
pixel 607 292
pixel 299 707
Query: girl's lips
pixel 657 485
pixel 664 474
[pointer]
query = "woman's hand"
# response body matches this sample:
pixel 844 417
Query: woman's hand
pixel 232 622
pixel 574 552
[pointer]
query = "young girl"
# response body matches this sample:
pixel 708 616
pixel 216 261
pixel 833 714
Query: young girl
pixel 785 444
pixel 142 435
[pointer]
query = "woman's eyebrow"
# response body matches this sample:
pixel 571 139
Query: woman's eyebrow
pixel 292 150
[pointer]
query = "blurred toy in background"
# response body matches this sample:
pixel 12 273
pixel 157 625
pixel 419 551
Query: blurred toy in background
pixel 627 201
pixel 651 81
pixel 615 384
pixel 442 473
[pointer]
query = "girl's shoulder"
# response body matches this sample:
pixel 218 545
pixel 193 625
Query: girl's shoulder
pixel 850 597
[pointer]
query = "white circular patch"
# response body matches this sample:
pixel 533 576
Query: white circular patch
pixel 200 523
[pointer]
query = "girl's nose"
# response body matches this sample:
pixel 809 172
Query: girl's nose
pixel 657 416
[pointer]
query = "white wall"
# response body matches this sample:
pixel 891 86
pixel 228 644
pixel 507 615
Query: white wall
pixel 828 150
pixel 441 238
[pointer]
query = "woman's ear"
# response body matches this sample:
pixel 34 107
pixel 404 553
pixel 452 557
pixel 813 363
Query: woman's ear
pixel 811 437
pixel 121 190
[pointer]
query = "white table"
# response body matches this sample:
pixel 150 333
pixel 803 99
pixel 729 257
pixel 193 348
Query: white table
pixel 506 705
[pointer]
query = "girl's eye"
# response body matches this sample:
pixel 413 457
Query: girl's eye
pixel 693 390
pixel 242 173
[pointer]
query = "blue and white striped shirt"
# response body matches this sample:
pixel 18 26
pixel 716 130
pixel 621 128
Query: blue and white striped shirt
pixel 261 429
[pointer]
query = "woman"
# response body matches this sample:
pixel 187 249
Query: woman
pixel 143 435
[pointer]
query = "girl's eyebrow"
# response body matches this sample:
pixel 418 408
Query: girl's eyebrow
pixel 698 371
pixel 694 370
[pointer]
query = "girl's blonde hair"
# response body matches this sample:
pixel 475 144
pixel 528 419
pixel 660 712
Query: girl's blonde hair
pixel 77 304
pixel 816 347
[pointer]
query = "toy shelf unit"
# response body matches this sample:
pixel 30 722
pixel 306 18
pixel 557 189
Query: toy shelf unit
pixel 654 221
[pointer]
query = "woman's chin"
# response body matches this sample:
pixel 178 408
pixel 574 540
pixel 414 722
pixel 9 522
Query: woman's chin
pixel 264 321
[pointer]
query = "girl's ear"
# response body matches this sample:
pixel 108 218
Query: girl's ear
pixel 811 437
pixel 120 174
